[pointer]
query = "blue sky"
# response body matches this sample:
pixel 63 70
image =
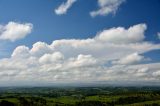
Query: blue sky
pixel 74 23
pixel 77 23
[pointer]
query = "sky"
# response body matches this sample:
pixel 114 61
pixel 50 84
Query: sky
pixel 47 42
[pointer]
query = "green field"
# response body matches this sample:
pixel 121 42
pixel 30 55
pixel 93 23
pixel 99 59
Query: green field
pixel 80 96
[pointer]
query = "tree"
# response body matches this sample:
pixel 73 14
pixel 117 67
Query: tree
pixel 6 103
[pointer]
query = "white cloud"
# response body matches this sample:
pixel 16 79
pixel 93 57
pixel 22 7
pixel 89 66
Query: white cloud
pixel 84 60
pixel 156 74
pixel 107 7
pixel 121 35
pixel 158 34
pixel 39 48
pixel 21 51
pixel 63 8
pixel 14 31
pixel 51 58
pixel 130 59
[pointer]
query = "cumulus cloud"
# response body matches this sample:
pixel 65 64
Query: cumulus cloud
pixel 156 74
pixel 107 7
pixel 14 31
pixel 121 35
pixel 63 8
pixel 84 60
pixel 21 51
pixel 51 58
pixel 158 34
pixel 130 59
pixel 39 48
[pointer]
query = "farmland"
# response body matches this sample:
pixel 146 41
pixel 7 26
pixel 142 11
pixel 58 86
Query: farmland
pixel 80 96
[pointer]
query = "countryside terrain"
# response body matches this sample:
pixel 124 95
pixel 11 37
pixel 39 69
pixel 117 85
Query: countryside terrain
pixel 80 96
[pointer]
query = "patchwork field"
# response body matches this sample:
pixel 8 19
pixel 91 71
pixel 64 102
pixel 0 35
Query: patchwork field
pixel 80 96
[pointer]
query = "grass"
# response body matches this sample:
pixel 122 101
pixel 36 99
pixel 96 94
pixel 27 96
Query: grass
pixel 63 99
pixel 73 100
pixel 143 103
pixel 13 100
